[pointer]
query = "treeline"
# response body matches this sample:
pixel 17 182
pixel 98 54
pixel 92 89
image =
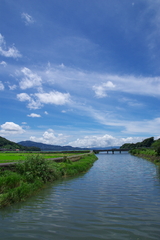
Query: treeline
pixel 146 143
pixel 12 146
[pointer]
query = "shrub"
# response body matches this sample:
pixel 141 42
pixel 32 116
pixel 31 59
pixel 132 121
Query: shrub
pixel 158 151
pixel 35 167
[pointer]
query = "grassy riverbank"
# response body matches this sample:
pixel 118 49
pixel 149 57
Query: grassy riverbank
pixel 148 154
pixel 26 178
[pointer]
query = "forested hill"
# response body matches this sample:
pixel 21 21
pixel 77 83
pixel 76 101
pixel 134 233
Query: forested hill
pixel 9 145
pixel 146 143
pixel 43 146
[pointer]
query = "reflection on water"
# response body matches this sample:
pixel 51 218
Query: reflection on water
pixel 118 198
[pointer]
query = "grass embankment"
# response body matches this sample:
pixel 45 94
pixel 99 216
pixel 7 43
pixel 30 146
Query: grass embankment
pixel 6 157
pixel 148 154
pixel 28 177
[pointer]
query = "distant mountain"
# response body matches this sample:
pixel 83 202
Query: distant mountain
pixel 46 147
pixel 9 145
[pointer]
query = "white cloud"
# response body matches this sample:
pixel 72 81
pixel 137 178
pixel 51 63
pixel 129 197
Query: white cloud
pixel 27 18
pixel 1 86
pixel 50 137
pixel 23 97
pixel 3 63
pixel 100 90
pixel 103 141
pixel 13 87
pixel 149 86
pixel 32 103
pixel 11 128
pixel 30 79
pixel 53 97
pixel 37 100
pixel 131 102
pixel 144 126
pixel 10 52
pixel 74 80
pixel 46 112
pixel 34 115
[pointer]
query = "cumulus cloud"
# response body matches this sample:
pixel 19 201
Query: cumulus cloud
pixel 11 128
pixel 103 141
pixel 28 19
pixel 1 86
pixel 33 104
pixel 37 100
pixel 23 97
pixel 30 79
pixel 53 97
pixel 8 52
pixel 100 90
pixel 34 115
pixel 50 137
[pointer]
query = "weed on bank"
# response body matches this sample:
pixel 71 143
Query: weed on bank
pixel 28 177
pixel 148 154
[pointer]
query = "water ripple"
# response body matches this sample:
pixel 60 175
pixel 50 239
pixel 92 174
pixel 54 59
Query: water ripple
pixel 118 198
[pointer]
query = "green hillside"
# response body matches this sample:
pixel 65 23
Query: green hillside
pixel 146 143
pixel 9 145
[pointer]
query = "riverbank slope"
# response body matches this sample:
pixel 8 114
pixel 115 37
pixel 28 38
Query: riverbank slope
pixel 148 154
pixel 26 178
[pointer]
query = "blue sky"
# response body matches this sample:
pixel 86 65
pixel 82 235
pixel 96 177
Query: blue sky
pixel 80 72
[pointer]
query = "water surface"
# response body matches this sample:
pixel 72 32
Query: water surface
pixel 118 198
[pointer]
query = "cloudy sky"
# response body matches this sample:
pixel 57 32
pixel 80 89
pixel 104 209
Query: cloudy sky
pixel 80 72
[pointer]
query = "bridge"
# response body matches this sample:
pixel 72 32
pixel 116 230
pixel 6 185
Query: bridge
pixel 111 150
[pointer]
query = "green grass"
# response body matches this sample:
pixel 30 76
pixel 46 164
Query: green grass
pixel 27 177
pixel 6 157
pixel 149 154
pixel 145 151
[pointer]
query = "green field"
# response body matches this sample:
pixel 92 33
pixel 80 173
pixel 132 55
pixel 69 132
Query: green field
pixel 6 157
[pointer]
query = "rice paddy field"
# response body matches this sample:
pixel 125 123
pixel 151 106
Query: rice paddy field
pixel 6 157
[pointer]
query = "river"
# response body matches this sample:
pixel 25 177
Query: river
pixel 118 198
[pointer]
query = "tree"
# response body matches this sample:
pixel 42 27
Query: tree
pixel 156 146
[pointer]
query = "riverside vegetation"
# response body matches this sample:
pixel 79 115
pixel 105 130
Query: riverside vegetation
pixel 26 178
pixel 148 149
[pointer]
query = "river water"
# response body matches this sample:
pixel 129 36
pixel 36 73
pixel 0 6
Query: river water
pixel 118 198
